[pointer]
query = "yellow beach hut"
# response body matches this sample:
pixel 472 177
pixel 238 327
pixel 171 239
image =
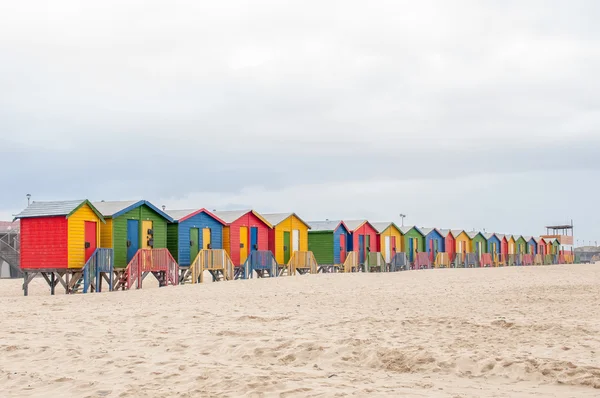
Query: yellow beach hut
pixel 288 235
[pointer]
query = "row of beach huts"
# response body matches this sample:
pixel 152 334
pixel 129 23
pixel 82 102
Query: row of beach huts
pixel 81 245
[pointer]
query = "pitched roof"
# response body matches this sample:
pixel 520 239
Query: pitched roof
pixel 354 224
pixel 456 232
pixel 230 216
pixel 427 231
pixel 182 215
pixel 444 232
pixel 114 209
pixel 527 238
pixel 56 208
pixel 488 236
pixel 383 225
pixel 277 218
pixel 327 225
pixel 407 228
pixel 473 234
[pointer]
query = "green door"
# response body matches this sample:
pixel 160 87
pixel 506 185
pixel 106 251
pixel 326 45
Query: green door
pixel 368 243
pixel 194 233
pixel 286 247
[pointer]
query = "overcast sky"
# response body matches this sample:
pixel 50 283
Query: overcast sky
pixel 461 114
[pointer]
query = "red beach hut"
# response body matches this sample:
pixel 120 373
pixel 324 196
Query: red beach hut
pixel 364 238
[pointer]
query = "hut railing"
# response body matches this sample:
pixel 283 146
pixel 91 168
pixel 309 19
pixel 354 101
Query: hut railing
pixel 260 261
pixel 399 262
pixel 486 260
pixel 528 259
pixel 471 260
pixel 156 261
pixel 442 260
pixel 548 259
pixel 457 260
pixel 422 261
pixel 351 262
pixel 375 261
pixel 538 259
pixel 100 262
pixel 216 261
pixel 302 262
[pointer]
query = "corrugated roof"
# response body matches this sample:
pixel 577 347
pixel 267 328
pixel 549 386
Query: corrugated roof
pixel 177 215
pixel 407 228
pixel 354 224
pixel 426 231
pixel 230 216
pixel 49 209
pixel 456 232
pixel 488 236
pixel 327 225
pixel 108 209
pixel 381 226
pixel 445 232
pixel 473 234
pixel 276 218
pixel 527 238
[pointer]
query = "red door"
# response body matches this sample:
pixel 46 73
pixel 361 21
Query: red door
pixel 393 245
pixel 90 239
pixel 342 249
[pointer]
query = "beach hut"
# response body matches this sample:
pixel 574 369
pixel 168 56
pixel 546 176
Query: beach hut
pixel 244 231
pixel 288 235
pixel 512 244
pixel 434 242
pixel 59 235
pixel 494 245
pixel 449 242
pixel 532 245
pixel 541 246
pixel 364 238
pixel 329 241
pixel 56 240
pixel 503 255
pixel 478 243
pixel 130 226
pixel 192 231
pixel 521 245
pixel 463 242
pixel 414 242
pixel 389 239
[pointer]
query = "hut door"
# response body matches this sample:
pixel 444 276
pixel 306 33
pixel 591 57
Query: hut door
pixel 393 247
pixel 411 250
pixel 342 248
pixel 206 239
pixel 90 239
pixel 243 244
pixel 253 238
pixel 361 249
pixel 387 247
pixel 133 238
pixel 194 235
pixel 286 247
pixel 295 240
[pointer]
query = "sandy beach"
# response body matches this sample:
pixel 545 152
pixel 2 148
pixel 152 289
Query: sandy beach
pixel 506 332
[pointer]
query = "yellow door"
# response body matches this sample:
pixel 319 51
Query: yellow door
pixel 206 238
pixel 243 244
pixel 148 238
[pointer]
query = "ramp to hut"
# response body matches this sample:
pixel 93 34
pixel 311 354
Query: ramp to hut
pixel 527 259
pixel 538 260
pixel 442 260
pixel 301 263
pixel 262 262
pixel 399 262
pixel 422 261
pixel 375 262
pixel 458 260
pixel 158 262
pixel 486 260
pixel 216 262
pixel 500 260
pixel 471 260
pixel 98 268
pixel 351 263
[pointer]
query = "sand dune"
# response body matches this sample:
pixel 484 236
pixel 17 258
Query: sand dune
pixel 508 332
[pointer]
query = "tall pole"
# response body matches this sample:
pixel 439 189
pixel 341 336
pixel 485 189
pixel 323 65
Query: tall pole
pixel 28 199
pixel 402 217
